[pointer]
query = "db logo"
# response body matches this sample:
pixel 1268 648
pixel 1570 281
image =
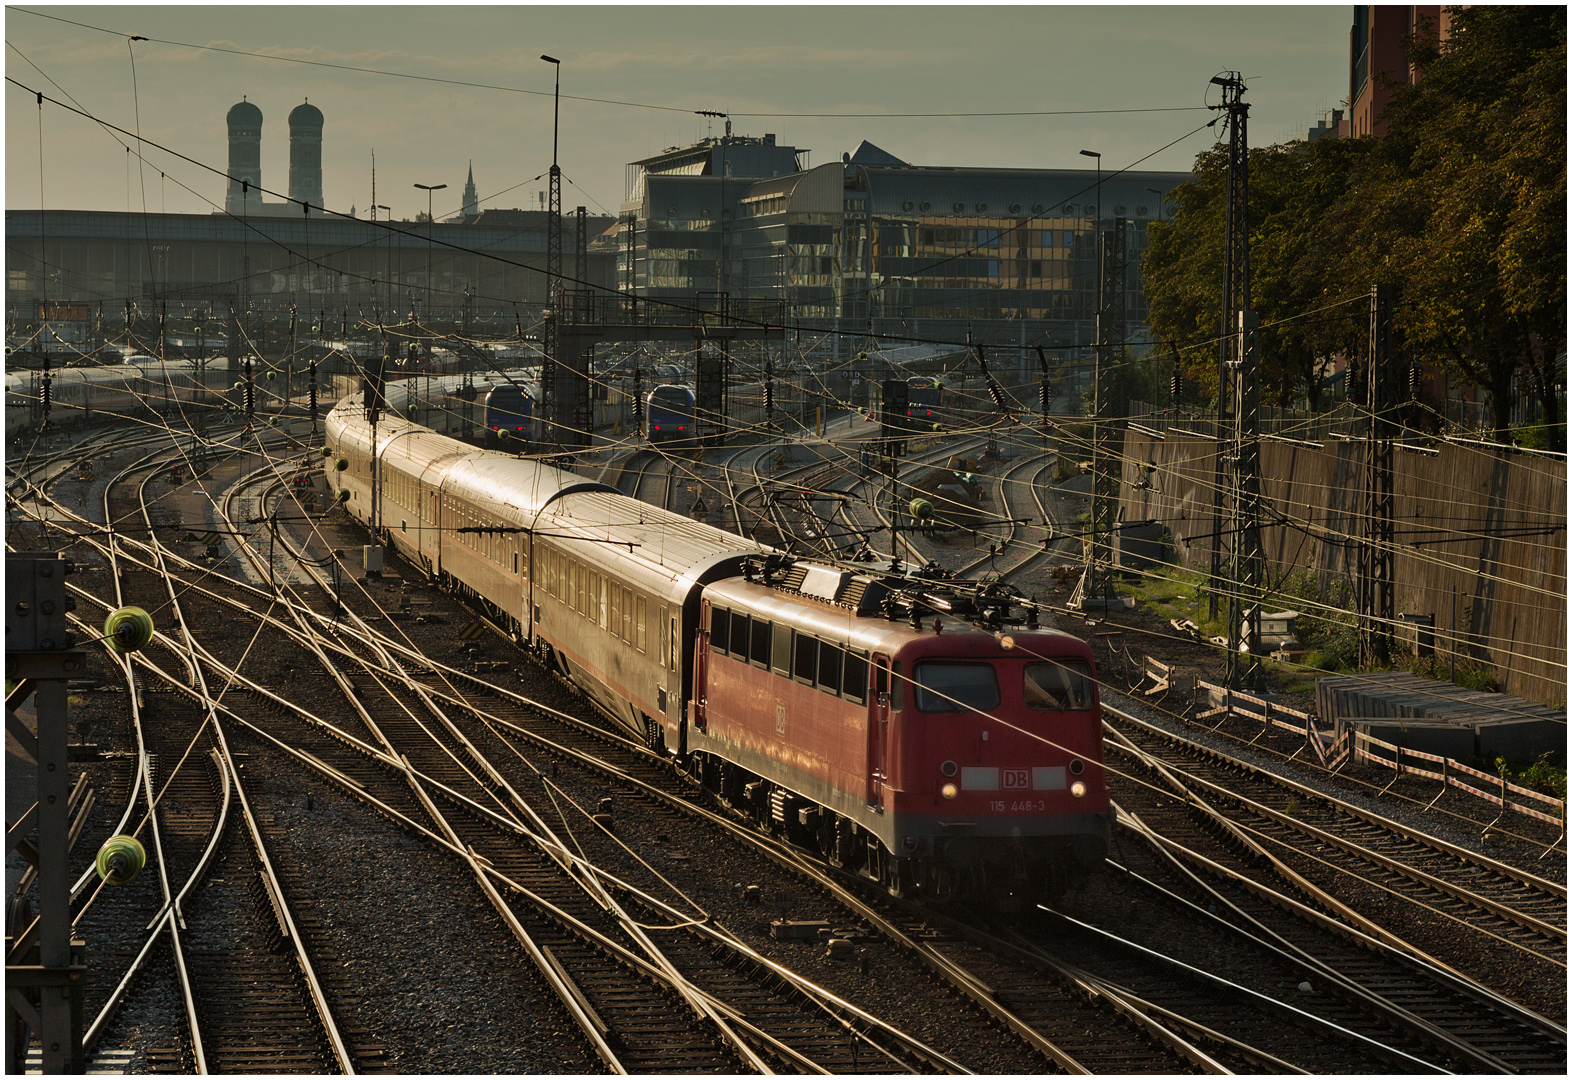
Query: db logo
pixel 1017 778
pixel 780 719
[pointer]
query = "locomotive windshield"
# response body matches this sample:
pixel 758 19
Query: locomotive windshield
pixel 1061 685
pixel 507 407
pixel 943 686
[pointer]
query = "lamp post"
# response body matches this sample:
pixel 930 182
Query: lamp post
pixel 1091 580
pixel 548 369
pixel 388 235
pixel 428 189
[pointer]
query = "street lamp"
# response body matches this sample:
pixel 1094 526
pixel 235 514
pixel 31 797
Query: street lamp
pixel 1092 576
pixel 388 235
pixel 1162 198
pixel 428 189
pixel 555 102
pixel 1099 157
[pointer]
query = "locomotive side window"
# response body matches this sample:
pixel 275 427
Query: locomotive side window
pixel 781 653
pixel 762 637
pixel 854 677
pixel 897 686
pixel 942 686
pixel 1058 684
pixel 720 628
pixel 806 651
pixel 830 668
pixel 741 631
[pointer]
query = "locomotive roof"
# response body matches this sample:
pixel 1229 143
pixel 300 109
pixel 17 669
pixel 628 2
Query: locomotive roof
pixel 875 632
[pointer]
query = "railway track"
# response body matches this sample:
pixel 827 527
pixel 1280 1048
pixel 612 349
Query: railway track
pixel 451 770
pixel 190 783
pixel 461 810
pixel 1463 1023
pixel 1442 884
pixel 862 1059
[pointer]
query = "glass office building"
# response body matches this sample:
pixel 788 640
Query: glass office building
pixel 872 244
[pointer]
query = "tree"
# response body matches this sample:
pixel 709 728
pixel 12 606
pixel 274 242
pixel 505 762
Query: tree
pixel 1461 205
pixel 1465 204
pixel 1291 189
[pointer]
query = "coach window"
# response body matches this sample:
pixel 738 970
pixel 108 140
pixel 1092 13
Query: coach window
pixel 720 628
pixel 806 650
pixel 640 624
pixel 761 643
pixel 741 630
pixel 854 678
pixel 781 653
pixel 627 615
pixel 830 668
pixel 616 611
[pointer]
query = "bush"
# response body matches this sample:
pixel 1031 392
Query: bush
pixel 1543 775
pixel 1330 638
pixel 1468 674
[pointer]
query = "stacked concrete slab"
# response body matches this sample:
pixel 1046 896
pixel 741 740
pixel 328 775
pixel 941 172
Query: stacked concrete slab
pixel 1440 718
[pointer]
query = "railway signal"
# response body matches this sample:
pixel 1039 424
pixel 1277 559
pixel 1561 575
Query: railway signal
pixel 892 416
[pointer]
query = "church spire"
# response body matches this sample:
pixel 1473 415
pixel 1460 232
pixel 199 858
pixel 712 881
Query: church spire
pixel 471 205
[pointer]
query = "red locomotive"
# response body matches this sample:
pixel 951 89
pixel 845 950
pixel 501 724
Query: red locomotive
pixel 864 716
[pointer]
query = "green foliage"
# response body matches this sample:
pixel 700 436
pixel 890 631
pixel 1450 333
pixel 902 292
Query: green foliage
pixel 1326 628
pixel 1127 378
pixel 1461 206
pixel 1468 674
pixel 1543 775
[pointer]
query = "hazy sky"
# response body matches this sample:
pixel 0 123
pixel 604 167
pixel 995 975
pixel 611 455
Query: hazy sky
pixel 784 60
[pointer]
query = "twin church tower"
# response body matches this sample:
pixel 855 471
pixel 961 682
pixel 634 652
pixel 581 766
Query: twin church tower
pixel 305 163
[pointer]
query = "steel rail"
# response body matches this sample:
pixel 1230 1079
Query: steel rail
pixel 356 790
pixel 1414 874
pixel 552 846
pixel 1290 1012
pixel 1008 539
pixel 209 702
pixel 1481 1060
pixel 1522 877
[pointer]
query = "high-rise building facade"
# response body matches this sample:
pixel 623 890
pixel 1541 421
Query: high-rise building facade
pixel 873 244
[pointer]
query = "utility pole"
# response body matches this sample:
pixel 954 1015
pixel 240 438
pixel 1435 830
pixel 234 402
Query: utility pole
pixel 551 361
pixel 1244 598
pixel 1375 553
pixel 45 967
pixel 1236 298
pixel 1097 583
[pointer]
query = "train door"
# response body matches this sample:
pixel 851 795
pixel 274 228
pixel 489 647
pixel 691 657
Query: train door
pixel 879 733
pixel 701 667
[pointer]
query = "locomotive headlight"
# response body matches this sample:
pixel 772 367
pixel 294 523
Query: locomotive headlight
pixel 1078 789
pixel 949 791
pixel 949 768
